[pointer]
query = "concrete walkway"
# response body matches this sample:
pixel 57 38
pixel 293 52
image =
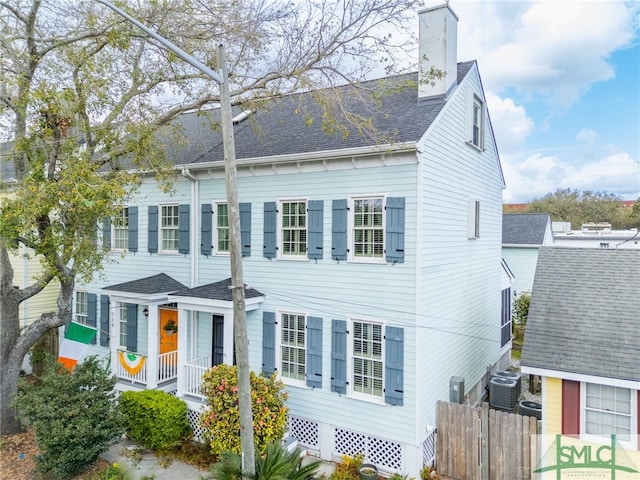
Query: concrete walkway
pixel 143 464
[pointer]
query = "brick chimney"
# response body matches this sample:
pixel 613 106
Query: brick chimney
pixel 438 33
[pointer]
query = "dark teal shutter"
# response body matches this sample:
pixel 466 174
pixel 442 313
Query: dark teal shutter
pixel 339 356
pixel 394 247
pixel 206 241
pixel 270 225
pixel 268 343
pixel 106 233
pixel 92 313
pixel 394 366
pixel 339 230
pixel 133 229
pixel 183 229
pixel 245 228
pixel 315 209
pixel 132 327
pixel 152 238
pixel 104 320
pixel 314 352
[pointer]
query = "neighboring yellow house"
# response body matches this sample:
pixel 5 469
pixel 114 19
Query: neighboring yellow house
pixel 583 338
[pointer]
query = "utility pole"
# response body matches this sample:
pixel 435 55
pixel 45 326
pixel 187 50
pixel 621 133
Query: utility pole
pixel 235 248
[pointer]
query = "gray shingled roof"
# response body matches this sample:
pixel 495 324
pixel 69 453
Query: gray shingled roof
pixel 218 291
pixel 524 228
pixel 583 316
pixel 283 126
pixel 160 283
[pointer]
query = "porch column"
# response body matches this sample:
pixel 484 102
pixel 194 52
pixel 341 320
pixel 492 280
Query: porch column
pixel 185 320
pixel 114 336
pixel 228 345
pixel 153 341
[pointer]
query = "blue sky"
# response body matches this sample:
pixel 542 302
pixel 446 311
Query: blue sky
pixel 562 80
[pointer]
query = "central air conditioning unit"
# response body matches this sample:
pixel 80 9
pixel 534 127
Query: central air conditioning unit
pixel 502 393
pixel 513 376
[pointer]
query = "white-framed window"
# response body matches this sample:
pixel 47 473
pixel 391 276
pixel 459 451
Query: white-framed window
pixel 81 307
pixel 367 235
pixel 169 228
pixel 366 354
pixel 477 123
pixel 123 326
pixel 474 219
pixel 293 229
pixel 120 230
pixel 609 410
pixel 292 347
pixel 221 231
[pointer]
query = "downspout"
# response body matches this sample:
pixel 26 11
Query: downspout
pixel 195 251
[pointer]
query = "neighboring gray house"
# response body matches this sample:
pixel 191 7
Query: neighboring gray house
pixel 583 339
pixel 522 236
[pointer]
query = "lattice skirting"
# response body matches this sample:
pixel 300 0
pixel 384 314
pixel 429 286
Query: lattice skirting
pixel 198 432
pixel 383 453
pixel 429 449
pixel 306 432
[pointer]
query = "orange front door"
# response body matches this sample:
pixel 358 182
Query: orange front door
pixel 168 340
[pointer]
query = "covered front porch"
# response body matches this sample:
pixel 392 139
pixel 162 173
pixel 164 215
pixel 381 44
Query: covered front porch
pixel 164 335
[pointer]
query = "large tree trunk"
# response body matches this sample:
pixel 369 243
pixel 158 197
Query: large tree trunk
pixel 15 344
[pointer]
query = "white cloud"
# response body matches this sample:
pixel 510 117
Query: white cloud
pixel 587 136
pixel 510 122
pixel 538 175
pixel 549 49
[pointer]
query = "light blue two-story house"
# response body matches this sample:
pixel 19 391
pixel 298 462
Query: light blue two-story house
pixel 373 271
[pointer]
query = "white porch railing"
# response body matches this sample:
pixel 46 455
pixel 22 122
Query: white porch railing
pixel 167 366
pixel 193 371
pixel 131 366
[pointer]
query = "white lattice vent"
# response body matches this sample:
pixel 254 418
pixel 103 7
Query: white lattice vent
pixel 194 421
pixel 305 431
pixel 429 450
pixel 383 453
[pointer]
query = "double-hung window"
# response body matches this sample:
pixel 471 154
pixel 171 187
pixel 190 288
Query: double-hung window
pixel 222 228
pixel 293 348
pixel 169 228
pixel 293 229
pixel 609 410
pixel 367 370
pixel 82 307
pixel 367 228
pixel 123 326
pixel 476 112
pixel 121 230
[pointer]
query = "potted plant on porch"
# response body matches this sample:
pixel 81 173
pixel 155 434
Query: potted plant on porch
pixel 170 327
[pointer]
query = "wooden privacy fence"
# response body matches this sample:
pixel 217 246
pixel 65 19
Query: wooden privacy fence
pixel 478 443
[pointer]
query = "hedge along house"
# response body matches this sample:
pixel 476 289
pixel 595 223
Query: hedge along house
pixel 373 270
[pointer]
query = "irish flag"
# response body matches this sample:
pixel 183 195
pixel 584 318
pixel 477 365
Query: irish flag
pixel 75 341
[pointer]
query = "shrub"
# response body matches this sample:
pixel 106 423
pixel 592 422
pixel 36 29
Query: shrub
pixel 155 418
pixel 276 464
pixel 74 415
pixel 221 419
pixel 347 468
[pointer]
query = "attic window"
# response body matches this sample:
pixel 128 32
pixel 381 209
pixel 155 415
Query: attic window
pixel 475 120
pixel 241 116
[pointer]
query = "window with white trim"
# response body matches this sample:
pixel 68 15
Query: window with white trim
pixel 609 410
pixel 474 219
pixel 222 228
pixel 366 218
pixel 123 326
pixel 477 123
pixel 169 228
pixel 293 228
pixel 81 307
pixel 367 358
pixel 120 228
pixel 293 349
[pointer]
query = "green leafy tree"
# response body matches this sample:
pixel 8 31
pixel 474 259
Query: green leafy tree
pixel 221 418
pixel 74 415
pixel 83 94
pixel 576 207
